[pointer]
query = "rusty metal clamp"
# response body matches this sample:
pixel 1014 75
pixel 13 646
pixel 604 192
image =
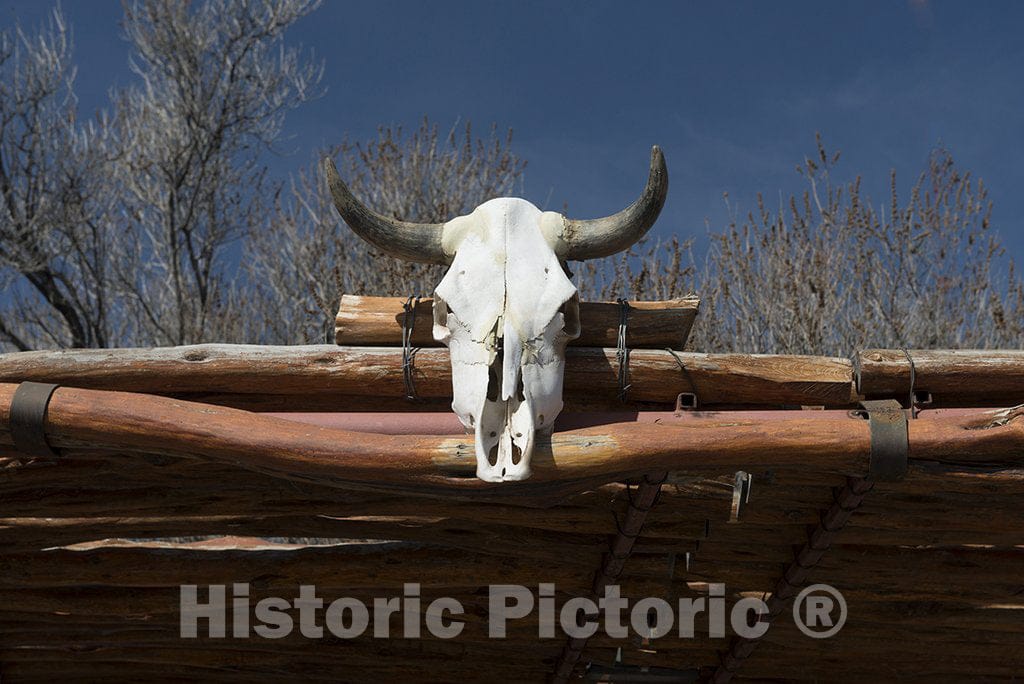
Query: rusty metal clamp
pixel 890 445
pixel 28 418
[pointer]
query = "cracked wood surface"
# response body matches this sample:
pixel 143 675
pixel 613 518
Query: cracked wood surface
pixel 378 321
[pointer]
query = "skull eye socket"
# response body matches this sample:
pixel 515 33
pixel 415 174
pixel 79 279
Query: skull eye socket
pixel 441 331
pixel 571 317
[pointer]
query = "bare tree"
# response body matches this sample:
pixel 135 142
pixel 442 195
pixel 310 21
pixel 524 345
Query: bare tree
pixel 55 218
pixel 309 258
pixel 116 232
pixel 829 273
pixel 216 83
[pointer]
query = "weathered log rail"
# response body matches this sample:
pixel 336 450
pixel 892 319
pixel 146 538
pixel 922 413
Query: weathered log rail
pixel 331 378
pixel 936 556
pixel 378 321
pixel 824 441
pixel 964 376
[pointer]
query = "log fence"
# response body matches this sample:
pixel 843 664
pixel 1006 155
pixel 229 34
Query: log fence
pixel 275 467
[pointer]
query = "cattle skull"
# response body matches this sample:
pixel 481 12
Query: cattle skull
pixel 506 307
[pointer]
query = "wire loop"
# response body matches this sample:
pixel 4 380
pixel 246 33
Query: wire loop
pixel 622 351
pixel 408 351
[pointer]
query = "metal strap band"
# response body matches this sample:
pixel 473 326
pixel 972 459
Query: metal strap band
pixel 890 446
pixel 28 418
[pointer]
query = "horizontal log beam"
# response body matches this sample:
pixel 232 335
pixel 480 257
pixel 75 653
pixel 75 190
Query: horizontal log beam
pixel 27 534
pixel 379 321
pixel 326 377
pixel 303 372
pixel 980 576
pixel 569 462
pixel 825 441
pixel 926 508
pixel 954 377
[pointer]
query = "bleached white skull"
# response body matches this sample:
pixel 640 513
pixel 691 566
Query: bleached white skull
pixel 506 308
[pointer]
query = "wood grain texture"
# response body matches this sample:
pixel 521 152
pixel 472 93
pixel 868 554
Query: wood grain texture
pixel 570 461
pixel 371 378
pixel 378 322
pixel 930 566
pixel 823 441
pixel 954 377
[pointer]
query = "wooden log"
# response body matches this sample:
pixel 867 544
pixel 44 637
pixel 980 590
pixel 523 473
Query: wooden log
pixel 384 566
pixel 569 462
pixel 980 576
pixel 941 652
pixel 832 442
pixel 86 613
pixel 985 575
pixel 827 441
pixel 27 534
pixel 953 377
pixel 304 372
pixel 871 621
pixel 773 521
pixel 856 654
pixel 327 659
pixel 136 665
pixel 926 508
pixel 128 490
pixel 378 322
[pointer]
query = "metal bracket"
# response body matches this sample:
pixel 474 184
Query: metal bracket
pixel 28 418
pixel 740 495
pixel 890 445
pixel 685 401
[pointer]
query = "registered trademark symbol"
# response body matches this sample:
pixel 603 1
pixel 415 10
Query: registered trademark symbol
pixel 814 609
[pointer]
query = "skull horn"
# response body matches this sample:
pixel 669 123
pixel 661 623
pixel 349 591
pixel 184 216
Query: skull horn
pixel 593 238
pixel 402 239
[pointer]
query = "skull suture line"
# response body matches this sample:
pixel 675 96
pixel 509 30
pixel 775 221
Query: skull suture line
pixel 506 308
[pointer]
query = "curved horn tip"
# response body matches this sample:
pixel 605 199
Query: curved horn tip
pixel 329 169
pixel 334 181
pixel 658 159
pixel 594 238
pixel 410 241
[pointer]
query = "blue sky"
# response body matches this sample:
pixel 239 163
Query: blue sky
pixel 732 91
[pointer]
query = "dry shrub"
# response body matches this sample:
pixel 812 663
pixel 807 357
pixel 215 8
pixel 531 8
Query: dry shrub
pixel 830 274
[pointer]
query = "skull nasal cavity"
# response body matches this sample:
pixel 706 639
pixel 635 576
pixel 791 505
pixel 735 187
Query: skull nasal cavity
pixel 493 384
